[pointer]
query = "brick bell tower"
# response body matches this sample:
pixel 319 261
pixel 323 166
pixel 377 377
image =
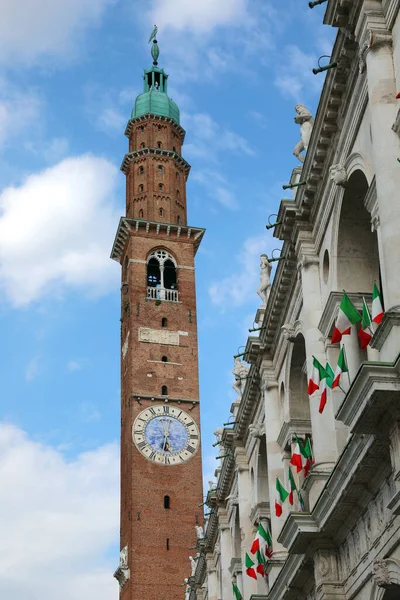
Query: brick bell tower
pixel 161 472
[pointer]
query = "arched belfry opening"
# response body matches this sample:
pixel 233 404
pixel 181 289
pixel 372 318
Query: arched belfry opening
pixel 162 281
pixel 299 404
pixel 357 245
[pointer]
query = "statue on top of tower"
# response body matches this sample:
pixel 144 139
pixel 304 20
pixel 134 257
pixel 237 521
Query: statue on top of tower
pixel 305 119
pixel 155 50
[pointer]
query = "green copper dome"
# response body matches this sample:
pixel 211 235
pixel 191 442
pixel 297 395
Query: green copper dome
pixel 154 99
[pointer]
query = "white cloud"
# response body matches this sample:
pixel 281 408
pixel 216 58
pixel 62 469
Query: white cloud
pixel 30 31
pixel 32 369
pixel 208 138
pixel 18 110
pixel 217 187
pixel 240 287
pixel 199 17
pixel 77 364
pixel 295 78
pixel 58 520
pixel 109 109
pixel 56 231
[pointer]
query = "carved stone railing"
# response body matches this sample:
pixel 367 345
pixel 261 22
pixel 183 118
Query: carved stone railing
pixel 154 293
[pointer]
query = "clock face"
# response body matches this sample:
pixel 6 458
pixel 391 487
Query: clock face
pixel 166 435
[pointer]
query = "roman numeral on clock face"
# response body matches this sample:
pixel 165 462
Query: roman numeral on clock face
pixel 142 445
pixel 190 449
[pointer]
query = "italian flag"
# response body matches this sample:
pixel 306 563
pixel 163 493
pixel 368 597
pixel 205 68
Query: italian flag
pixel 236 592
pixel 298 458
pixel 377 308
pixel 262 563
pixel 348 316
pixel 365 333
pixel 341 368
pixel 280 496
pixel 331 375
pixel 324 393
pixel 293 487
pixel 318 373
pixel 309 457
pixel 250 568
pixel 263 538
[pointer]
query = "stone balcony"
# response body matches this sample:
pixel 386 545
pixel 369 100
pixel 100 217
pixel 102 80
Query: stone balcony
pixel 157 293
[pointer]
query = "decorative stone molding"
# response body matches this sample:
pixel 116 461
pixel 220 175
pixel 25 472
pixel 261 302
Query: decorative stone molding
pixel 391 319
pixel 331 308
pixel 386 573
pixel 235 567
pixel 122 574
pixel 260 512
pixel 291 428
pixel 378 37
pixel 158 336
pixel 338 174
pixel 257 430
pixel 288 332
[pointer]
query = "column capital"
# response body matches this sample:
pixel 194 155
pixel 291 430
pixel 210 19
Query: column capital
pixel 241 460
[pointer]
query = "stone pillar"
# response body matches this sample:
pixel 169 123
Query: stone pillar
pixel 246 526
pixel 273 425
pixel 322 425
pixel 382 108
pixel 226 552
pixel 212 581
pixel 326 572
pixel 353 355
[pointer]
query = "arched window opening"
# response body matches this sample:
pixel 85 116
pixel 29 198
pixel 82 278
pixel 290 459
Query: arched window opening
pixel 141 188
pixel 299 404
pixel 160 169
pixel 169 275
pixel 161 274
pixel 178 220
pixel 164 390
pixel 164 322
pixel 159 145
pixel 142 145
pixel 141 213
pixel 160 187
pixel 153 273
pixel 164 359
pixel 173 148
pixel 161 212
pixel 357 246
pixel 141 170
pixel 167 502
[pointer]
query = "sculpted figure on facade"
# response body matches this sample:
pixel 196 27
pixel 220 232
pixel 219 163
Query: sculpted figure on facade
pixel 187 589
pixel 338 174
pixel 265 279
pixel 256 430
pixel 199 532
pixel 305 119
pixel 193 564
pixel 240 372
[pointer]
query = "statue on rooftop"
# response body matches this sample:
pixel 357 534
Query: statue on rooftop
pixel 305 119
pixel 240 372
pixel 265 279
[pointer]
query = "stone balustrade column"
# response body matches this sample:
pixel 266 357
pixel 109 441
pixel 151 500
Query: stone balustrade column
pixel 273 424
pixel 322 425
pixel 246 526
pixel 376 47
pixel 212 581
pixel 226 552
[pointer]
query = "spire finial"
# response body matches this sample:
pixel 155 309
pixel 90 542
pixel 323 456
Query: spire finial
pixel 155 51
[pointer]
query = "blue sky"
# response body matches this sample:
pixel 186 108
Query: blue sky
pixel 69 74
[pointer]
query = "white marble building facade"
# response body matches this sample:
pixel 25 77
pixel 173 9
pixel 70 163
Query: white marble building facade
pixel 341 232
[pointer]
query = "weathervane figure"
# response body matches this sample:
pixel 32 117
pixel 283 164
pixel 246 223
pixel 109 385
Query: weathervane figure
pixel 155 51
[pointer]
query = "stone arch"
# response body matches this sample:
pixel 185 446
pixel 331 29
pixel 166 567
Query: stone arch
pixel 297 396
pixel 236 535
pixel 261 481
pixel 359 162
pixel 356 258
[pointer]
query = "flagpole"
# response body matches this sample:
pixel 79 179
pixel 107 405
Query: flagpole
pixel 347 364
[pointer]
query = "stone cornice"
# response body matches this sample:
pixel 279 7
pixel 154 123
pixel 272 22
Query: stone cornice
pixel 260 512
pixel 298 532
pixel 132 156
pixel 292 579
pixel 391 319
pixel 248 403
pixel 150 116
pixel 373 395
pixel 391 9
pixel 291 428
pixel 342 13
pixel 127 227
pixel 331 308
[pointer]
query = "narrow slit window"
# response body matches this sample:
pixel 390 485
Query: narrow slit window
pixel 160 169
pixel 164 359
pixel 141 213
pixel 141 170
pixel 141 188
pixel 178 220
pixel 142 145
pixel 164 322
pixel 161 211
pixel 159 145
pixel 164 390
pixel 160 187
pixel 167 502
pixel 167 544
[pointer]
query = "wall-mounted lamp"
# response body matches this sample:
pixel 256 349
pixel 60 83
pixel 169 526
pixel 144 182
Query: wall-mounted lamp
pixel 322 68
pixel 272 225
pixel 289 186
pixel 316 3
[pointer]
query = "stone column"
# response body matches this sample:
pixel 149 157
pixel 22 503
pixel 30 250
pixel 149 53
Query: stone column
pixel 246 526
pixel 226 552
pixel 382 108
pixel 212 581
pixel 273 425
pixel 322 425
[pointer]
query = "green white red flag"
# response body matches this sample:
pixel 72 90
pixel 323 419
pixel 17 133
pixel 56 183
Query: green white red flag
pixel 292 487
pixel 365 332
pixel 262 563
pixel 280 496
pixel 331 375
pixel 250 567
pixel 262 540
pixel 298 459
pixel 309 457
pixel 348 316
pixel 317 374
pixel 324 393
pixel 377 306
pixel 236 592
pixel 341 368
